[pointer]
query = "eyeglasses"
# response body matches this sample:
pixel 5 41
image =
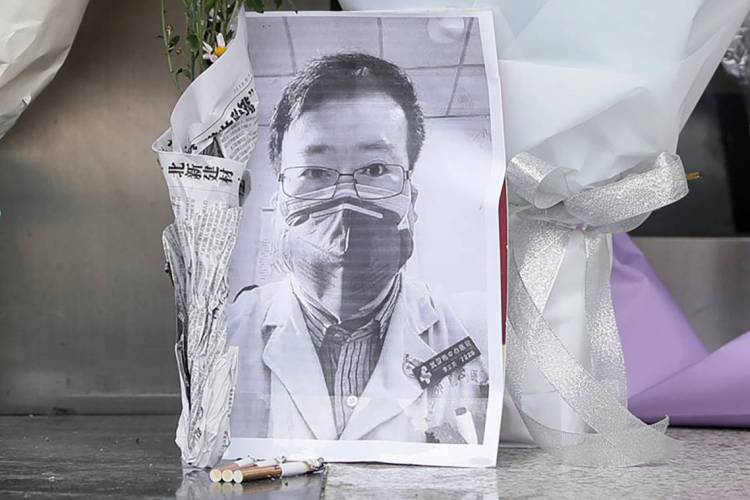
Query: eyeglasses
pixel 374 181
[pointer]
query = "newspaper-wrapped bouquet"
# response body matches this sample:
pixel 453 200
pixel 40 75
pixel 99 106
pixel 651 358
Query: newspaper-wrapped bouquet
pixel 202 157
pixel 594 95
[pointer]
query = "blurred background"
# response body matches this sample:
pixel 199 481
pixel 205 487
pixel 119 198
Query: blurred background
pixel 86 311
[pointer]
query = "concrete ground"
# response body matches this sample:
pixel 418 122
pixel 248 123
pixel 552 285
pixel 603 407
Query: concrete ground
pixel 135 457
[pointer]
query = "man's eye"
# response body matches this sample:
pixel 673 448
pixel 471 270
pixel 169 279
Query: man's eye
pixel 375 169
pixel 315 173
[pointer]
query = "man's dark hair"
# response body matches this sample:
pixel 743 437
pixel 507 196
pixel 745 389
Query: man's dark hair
pixel 346 75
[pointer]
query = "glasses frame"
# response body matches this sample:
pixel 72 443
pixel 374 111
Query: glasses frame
pixel 406 177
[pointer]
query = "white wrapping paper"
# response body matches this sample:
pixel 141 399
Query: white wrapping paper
pixel 35 38
pixel 597 88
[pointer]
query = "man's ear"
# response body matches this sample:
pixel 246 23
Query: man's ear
pixel 413 216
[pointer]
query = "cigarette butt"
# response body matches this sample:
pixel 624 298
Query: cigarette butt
pixel 465 424
pixel 232 473
pixel 224 472
pixel 254 473
pixel 694 176
pixel 244 462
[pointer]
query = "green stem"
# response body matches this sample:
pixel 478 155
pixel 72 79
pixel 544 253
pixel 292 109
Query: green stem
pixel 224 20
pixel 165 36
pixel 200 32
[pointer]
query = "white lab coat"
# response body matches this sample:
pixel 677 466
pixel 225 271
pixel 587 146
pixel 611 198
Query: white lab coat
pixel 281 391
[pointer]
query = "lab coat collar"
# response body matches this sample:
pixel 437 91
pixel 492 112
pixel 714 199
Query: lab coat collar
pixel 291 356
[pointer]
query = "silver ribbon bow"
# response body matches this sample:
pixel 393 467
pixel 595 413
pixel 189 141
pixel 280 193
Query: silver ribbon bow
pixel 547 209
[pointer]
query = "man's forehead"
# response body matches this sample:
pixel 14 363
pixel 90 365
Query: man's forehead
pixel 377 105
pixel 328 146
pixel 368 122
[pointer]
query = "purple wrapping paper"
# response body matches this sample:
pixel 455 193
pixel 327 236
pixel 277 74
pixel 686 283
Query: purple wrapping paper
pixel 669 370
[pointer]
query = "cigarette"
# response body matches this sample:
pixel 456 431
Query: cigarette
pixel 465 424
pixel 278 470
pixel 217 474
pixel 233 474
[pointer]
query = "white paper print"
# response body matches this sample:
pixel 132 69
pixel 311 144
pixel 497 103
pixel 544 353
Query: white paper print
pixel 365 285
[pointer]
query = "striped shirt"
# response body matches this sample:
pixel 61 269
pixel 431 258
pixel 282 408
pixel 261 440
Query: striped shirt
pixel 349 350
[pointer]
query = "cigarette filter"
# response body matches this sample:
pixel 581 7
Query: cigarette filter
pixel 465 424
pixel 217 474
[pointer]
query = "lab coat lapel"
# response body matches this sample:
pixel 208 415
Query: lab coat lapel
pixel 291 356
pixel 390 389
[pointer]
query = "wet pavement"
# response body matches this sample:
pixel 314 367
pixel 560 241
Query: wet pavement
pixel 135 457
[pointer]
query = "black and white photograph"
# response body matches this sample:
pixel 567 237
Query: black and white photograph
pixel 365 283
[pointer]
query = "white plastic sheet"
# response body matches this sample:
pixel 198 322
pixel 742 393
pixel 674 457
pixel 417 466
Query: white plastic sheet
pixel 35 38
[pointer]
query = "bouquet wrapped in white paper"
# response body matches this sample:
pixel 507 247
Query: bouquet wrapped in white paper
pixel 594 97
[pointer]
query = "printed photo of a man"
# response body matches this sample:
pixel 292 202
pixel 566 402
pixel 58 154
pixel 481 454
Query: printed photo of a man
pixel 347 346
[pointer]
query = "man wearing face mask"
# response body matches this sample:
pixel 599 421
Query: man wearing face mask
pixel 347 347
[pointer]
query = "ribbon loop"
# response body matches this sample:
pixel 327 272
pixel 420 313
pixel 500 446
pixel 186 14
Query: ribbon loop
pixel 550 194
pixel 548 209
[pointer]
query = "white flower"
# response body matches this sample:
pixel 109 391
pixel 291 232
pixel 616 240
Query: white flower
pixel 213 53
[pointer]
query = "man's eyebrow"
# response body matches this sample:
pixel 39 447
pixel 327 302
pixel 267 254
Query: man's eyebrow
pixel 317 148
pixel 381 145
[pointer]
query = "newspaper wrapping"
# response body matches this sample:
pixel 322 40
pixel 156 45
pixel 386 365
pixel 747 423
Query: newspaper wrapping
pixel 203 157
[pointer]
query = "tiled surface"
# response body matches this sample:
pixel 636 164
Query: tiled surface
pixel 433 89
pixel 469 97
pixel 413 43
pixel 474 47
pixel 135 457
pixel 442 56
pixel 269 33
pixel 269 90
pixel 329 35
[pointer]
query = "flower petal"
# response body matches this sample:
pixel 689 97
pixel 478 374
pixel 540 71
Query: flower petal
pixel 220 40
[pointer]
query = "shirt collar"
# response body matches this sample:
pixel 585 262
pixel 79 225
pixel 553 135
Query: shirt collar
pixel 415 298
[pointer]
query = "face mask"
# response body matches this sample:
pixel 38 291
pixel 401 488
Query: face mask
pixel 344 252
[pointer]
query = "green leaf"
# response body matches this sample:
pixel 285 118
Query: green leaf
pixel 256 5
pixel 278 3
pixel 193 41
